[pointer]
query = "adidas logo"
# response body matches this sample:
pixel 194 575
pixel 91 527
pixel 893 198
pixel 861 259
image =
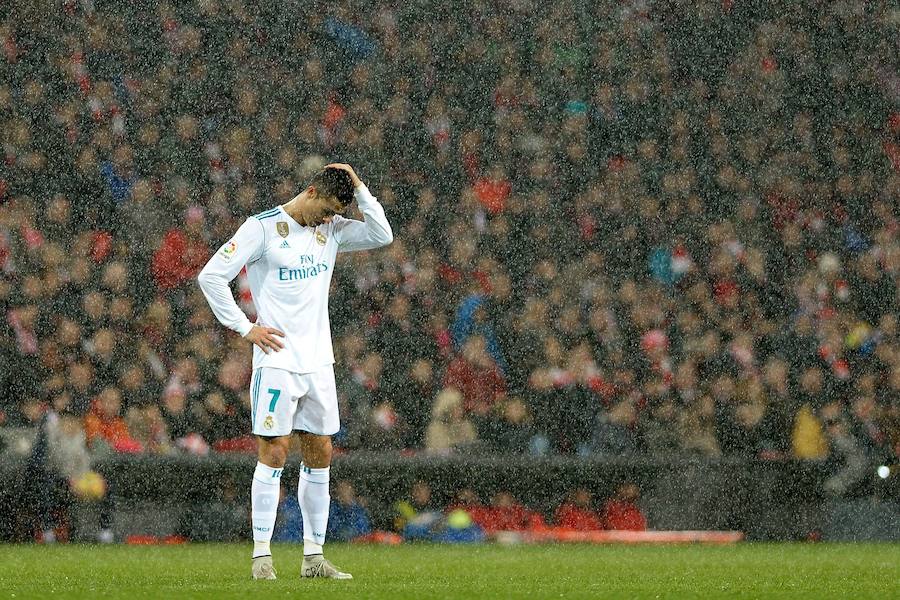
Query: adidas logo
pixel 284 244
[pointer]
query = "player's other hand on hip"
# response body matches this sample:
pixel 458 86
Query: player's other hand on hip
pixel 266 338
pixel 345 167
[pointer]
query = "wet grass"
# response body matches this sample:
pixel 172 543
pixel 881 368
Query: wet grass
pixel 491 571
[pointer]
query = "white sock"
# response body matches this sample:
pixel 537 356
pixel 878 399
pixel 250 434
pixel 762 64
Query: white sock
pixel 314 499
pixel 264 493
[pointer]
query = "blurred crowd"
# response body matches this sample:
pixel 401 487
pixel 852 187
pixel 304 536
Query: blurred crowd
pixel 626 227
pixel 419 516
pixel 419 513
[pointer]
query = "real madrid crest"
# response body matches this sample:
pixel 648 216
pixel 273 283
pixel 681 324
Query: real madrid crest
pixel 269 423
pixel 282 228
pixel 320 238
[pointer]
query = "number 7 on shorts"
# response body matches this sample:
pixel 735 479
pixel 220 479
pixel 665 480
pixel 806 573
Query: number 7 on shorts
pixel 275 395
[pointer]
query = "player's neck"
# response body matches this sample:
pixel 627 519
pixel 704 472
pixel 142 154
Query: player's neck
pixel 297 209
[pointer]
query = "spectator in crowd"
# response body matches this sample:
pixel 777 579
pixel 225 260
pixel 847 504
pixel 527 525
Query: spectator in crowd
pixel 614 433
pixel 621 512
pixel 222 419
pixel 846 457
pixel 511 427
pixel 505 513
pixel 808 437
pixel 182 253
pixel 148 428
pixel 360 393
pixel 477 377
pixel 456 524
pixel 696 428
pixel 420 520
pixel 416 515
pixel 58 473
pixel 466 499
pixel 174 411
pixel 449 429
pixel 577 513
pixel 104 426
pixel 413 395
pixel 348 518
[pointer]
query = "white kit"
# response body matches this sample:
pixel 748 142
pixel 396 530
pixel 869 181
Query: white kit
pixel 289 270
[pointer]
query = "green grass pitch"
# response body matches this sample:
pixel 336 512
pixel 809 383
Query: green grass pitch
pixel 429 571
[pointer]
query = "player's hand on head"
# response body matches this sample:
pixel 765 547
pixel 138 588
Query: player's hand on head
pixel 345 167
pixel 266 338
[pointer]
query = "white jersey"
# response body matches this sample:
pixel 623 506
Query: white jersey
pixel 289 270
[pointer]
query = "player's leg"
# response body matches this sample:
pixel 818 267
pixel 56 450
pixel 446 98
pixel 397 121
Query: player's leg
pixel 264 496
pixel 272 408
pixel 313 489
pixel 315 500
pixel 316 421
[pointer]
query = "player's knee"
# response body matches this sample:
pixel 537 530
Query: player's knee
pixel 279 457
pixel 316 451
pixel 274 452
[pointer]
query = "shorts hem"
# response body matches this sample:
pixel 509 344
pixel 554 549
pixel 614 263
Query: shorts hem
pixel 271 434
pixel 300 430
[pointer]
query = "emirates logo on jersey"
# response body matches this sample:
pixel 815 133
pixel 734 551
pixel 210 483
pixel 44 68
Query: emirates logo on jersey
pixel 286 274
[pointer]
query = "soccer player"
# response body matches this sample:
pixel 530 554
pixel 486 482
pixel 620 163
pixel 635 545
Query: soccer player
pixel 290 253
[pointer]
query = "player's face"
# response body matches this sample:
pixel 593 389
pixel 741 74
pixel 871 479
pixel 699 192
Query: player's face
pixel 324 208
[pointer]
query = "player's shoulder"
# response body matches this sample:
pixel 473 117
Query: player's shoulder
pixel 268 214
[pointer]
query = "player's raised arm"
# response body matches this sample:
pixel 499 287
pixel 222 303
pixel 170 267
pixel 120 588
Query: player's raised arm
pixel 246 246
pixel 374 231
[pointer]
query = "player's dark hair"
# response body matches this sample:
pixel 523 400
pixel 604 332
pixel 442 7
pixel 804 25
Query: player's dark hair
pixel 334 183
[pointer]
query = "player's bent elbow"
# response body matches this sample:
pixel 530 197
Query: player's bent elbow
pixel 387 237
pixel 203 279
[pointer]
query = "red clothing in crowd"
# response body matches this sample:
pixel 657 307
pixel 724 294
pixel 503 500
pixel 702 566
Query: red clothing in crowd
pixel 623 515
pixel 572 516
pixel 178 259
pixel 492 194
pixel 481 387
pixel 502 518
pixel 112 430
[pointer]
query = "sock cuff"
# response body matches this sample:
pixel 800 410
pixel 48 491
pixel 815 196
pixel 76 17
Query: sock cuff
pixel 266 474
pixel 315 475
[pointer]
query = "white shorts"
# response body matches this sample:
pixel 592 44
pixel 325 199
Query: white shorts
pixel 283 401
